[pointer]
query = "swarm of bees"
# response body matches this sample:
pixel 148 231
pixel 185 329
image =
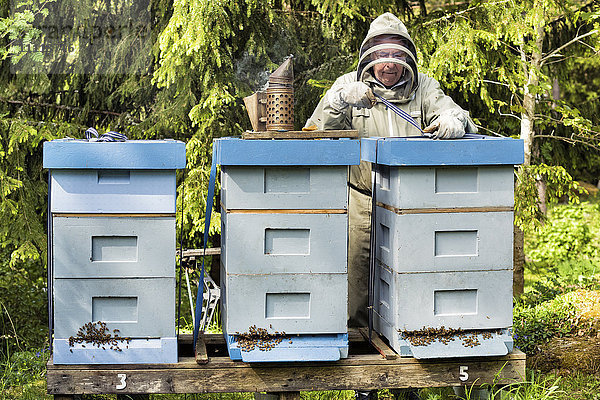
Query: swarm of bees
pixel 445 335
pixel 98 334
pixel 260 338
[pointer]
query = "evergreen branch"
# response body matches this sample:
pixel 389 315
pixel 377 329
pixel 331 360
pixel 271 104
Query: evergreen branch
pixel 570 140
pixel 495 83
pixel 6 30
pixel 570 42
pixel 560 121
pixel 64 107
pixel 459 13
pixel 510 47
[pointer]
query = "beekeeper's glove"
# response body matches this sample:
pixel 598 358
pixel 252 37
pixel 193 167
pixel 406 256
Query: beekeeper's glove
pixel 355 94
pixel 450 124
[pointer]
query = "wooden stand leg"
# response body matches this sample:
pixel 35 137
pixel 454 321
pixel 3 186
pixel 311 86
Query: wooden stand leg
pixel 475 393
pixel 133 397
pixel 289 395
pixel 277 396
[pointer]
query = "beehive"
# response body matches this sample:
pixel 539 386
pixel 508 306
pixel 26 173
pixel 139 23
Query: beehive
pixel 444 242
pixel 112 249
pixel 284 246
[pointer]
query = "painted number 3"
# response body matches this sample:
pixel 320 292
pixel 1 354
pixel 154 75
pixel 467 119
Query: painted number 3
pixel 463 375
pixel 122 384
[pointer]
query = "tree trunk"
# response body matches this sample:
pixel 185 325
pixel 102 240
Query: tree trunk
pixel 541 188
pixel 531 65
pixel 518 262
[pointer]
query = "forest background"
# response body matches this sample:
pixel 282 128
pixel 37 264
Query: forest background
pixel 154 69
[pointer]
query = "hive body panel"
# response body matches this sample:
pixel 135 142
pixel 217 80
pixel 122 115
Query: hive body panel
pixel 445 187
pixel 284 243
pixel 112 191
pixel 300 187
pixel 139 308
pixel 456 300
pixel 291 303
pixel 113 247
pixel 137 351
pixel 444 241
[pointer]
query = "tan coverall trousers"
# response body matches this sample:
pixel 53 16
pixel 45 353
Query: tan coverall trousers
pixel 359 230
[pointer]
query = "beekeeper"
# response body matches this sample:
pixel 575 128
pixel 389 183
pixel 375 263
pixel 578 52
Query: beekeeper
pixel 387 67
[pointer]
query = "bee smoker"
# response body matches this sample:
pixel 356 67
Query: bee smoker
pixel 274 110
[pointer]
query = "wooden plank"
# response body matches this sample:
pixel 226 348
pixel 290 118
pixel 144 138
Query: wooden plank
pixel 379 345
pixel 402 211
pixel 289 211
pixel 200 353
pixel 333 134
pixel 374 359
pixel 284 377
pixel 213 251
pixel 113 215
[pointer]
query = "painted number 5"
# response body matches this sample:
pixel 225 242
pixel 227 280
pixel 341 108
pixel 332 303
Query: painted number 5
pixel 122 384
pixel 463 375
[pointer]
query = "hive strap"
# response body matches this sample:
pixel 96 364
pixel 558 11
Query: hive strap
pixel 207 214
pixel 92 135
pixel 372 243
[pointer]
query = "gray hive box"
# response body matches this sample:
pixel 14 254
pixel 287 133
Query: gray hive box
pixel 112 248
pixel 444 241
pixel 284 245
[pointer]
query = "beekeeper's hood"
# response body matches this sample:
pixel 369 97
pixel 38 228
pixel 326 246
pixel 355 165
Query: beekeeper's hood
pixel 387 32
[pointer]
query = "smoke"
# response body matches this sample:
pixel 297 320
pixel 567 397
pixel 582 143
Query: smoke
pixel 253 72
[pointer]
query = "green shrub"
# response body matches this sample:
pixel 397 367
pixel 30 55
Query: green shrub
pixel 534 325
pixel 566 235
pixel 23 308
pixel 23 368
pixel 579 271
pixel 542 290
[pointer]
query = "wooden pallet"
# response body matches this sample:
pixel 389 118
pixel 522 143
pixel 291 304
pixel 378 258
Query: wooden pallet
pixel 214 372
pixel 350 134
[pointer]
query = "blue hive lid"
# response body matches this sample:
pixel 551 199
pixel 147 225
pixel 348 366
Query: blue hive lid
pixel 235 151
pixel 131 154
pixel 420 151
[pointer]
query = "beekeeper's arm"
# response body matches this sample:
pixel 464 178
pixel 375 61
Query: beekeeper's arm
pixel 442 112
pixel 334 109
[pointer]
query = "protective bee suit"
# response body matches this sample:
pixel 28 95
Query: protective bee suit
pixel 350 104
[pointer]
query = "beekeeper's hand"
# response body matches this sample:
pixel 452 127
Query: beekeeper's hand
pixel 449 125
pixel 355 94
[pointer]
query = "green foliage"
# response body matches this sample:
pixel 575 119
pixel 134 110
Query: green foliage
pixel 23 367
pixel 511 56
pixel 534 325
pixel 18 30
pixel 563 259
pixel 22 235
pixel 565 235
pixel 535 386
pixel 547 288
pixel 207 396
pixel 558 183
